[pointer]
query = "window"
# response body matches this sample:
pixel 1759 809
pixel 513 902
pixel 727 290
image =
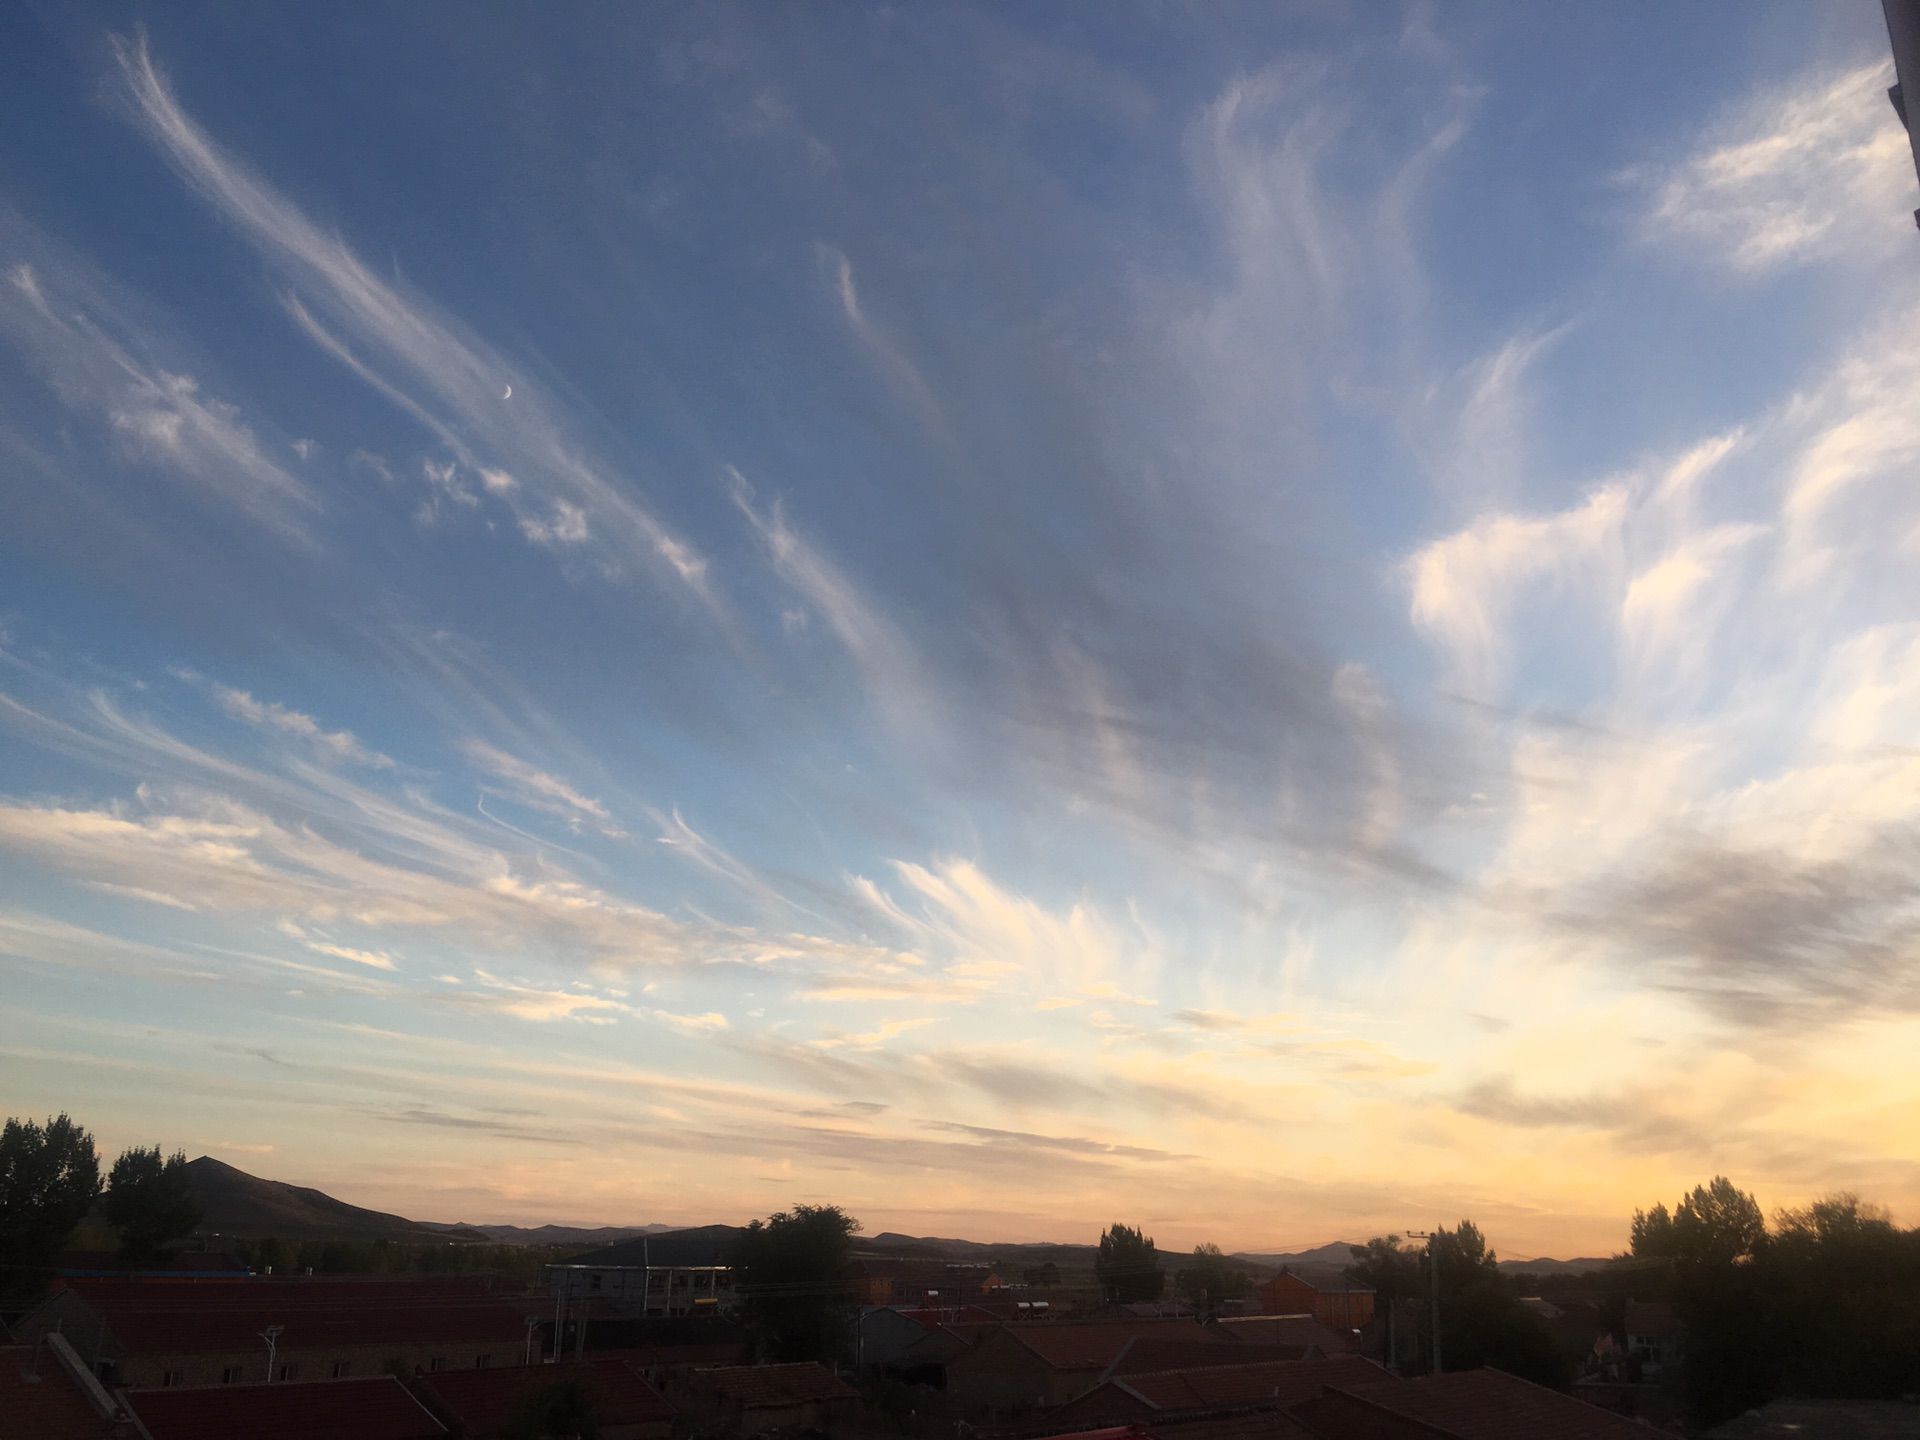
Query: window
pixel 288 1370
pixel 342 1369
pixel 594 1281
pixel 229 1374
pixel 481 1362
pixel 169 1378
pixel 437 1363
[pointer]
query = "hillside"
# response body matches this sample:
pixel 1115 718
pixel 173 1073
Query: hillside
pixel 234 1203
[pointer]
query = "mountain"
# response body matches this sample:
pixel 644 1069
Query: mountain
pixel 245 1206
pixel 1337 1255
pixel 560 1234
pixel 1551 1267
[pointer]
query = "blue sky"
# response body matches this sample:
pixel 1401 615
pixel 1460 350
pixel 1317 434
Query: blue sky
pixel 1274 622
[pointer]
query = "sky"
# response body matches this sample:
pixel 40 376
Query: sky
pixel 1274 622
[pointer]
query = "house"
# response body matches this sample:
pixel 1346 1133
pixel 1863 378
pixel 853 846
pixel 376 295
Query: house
pixel 164 1334
pixel 48 1393
pixel 1462 1405
pixel 370 1409
pixel 682 1272
pixel 1654 1336
pixel 887 1280
pixel 1040 1366
pixel 1144 1398
pixel 755 1399
pixel 1336 1303
pixel 887 1332
pixel 1305 1333
pixel 477 1404
pixel 1145 1354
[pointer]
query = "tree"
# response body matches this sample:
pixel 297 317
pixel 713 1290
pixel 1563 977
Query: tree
pixel 1653 1234
pixel 1388 1268
pixel 1046 1274
pixel 560 1411
pixel 1128 1266
pixel 1211 1277
pixel 1717 1225
pixel 49 1178
pixel 791 1273
pixel 150 1201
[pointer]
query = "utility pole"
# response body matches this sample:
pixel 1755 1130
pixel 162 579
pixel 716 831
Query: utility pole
pixel 533 1324
pixel 1433 1287
pixel 272 1336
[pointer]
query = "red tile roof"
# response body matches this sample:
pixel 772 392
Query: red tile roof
pixel 373 1409
pixel 217 1316
pixel 930 1315
pixel 1145 1354
pixel 1284 1382
pixel 482 1401
pixel 1246 1425
pixel 765 1387
pixel 1288 1330
pixel 40 1401
pixel 1096 1345
pixel 1471 1405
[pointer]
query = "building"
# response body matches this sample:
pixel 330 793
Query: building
pixel 370 1409
pixel 1041 1366
pixel 1304 1333
pixel 167 1334
pixel 887 1332
pixel 887 1280
pixel 479 1404
pixel 1654 1337
pixel 48 1393
pixel 1337 1304
pixel 683 1272
pixel 1463 1405
pixel 751 1400
pixel 1215 1389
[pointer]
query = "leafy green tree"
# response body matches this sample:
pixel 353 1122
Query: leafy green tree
pixel 1210 1277
pixel 1653 1237
pixel 791 1273
pixel 49 1178
pixel 1482 1321
pixel 150 1201
pixel 1127 1265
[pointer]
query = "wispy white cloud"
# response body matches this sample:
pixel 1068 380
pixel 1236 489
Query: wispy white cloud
pixel 461 381
pixel 339 744
pixel 105 364
pixel 1816 169
pixel 533 786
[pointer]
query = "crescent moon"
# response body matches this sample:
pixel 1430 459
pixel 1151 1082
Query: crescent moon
pixel 509 394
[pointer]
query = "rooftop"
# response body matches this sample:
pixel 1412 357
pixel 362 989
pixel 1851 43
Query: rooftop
pixel 1466 1405
pixel 482 1401
pixel 372 1409
pixel 765 1387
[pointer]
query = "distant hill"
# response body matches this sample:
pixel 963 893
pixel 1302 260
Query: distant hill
pixel 1552 1267
pixel 234 1203
pixel 1337 1255
pixel 561 1234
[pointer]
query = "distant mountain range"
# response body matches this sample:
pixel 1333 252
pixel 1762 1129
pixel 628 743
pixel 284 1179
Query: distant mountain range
pixel 234 1203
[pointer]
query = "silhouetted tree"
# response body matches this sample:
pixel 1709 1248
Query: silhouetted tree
pixel 1047 1274
pixel 150 1201
pixel 561 1411
pixel 791 1272
pixel 1210 1277
pixel 1127 1265
pixel 1482 1321
pixel 49 1177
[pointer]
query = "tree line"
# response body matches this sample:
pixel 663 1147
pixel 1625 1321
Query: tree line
pixel 50 1182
